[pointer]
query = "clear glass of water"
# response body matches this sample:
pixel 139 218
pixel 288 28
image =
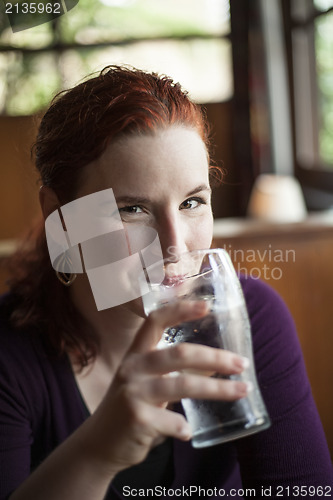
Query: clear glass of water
pixel 210 276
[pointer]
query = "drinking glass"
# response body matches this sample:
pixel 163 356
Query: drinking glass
pixel 210 276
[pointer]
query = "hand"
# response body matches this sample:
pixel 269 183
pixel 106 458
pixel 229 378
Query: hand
pixel 134 416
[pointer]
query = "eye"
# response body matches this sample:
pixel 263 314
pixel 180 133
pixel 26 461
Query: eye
pixel 134 209
pixel 192 203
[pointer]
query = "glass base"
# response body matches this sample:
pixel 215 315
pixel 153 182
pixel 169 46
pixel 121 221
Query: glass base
pixel 225 433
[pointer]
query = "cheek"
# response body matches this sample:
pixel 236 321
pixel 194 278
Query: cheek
pixel 201 233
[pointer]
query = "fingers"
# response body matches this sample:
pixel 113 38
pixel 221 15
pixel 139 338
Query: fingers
pixel 188 365
pixel 188 357
pixel 145 374
pixel 151 331
pixel 158 390
pixel 143 385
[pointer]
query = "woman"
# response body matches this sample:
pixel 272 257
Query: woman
pixel 84 401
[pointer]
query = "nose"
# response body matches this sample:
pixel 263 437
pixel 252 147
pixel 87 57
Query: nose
pixel 172 233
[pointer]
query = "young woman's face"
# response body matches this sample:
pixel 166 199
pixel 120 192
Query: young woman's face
pixel 161 181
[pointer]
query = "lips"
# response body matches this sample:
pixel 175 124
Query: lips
pixel 173 280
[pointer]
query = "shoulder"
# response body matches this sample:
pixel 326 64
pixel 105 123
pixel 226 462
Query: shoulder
pixel 265 306
pixel 16 344
pixel 20 350
pixel 26 368
pixel 262 301
pixel 22 388
pixel 275 340
pixel 12 340
pixel 32 380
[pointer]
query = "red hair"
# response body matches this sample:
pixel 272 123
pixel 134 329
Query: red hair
pixel 76 129
pixel 81 122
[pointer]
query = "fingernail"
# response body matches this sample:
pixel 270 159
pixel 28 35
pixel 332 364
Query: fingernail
pixel 242 362
pixel 249 387
pixel 245 388
pixel 245 362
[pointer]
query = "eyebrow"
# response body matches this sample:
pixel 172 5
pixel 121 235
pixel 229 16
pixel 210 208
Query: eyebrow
pixel 141 200
pixel 132 199
pixel 202 187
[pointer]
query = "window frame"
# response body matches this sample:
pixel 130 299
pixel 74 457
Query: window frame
pixel 316 180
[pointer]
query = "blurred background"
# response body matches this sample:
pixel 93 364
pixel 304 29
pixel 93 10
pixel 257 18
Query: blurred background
pixel 263 70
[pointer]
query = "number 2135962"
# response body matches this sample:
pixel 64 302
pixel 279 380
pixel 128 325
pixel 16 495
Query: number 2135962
pixel 304 491
pixel 33 8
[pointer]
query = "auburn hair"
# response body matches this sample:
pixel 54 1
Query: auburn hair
pixel 75 130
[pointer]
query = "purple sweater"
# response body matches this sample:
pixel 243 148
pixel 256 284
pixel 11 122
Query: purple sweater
pixel 40 405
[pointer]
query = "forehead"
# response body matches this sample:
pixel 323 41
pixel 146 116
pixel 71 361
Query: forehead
pixel 173 140
pixel 176 154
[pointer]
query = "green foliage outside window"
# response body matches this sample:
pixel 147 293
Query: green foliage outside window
pixel 324 61
pixel 36 63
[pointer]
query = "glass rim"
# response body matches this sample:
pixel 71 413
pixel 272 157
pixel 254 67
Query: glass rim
pixel 163 263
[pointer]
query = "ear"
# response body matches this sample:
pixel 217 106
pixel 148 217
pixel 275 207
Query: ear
pixel 48 201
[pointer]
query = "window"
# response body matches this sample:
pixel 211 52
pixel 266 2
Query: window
pixel 188 40
pixel 309 35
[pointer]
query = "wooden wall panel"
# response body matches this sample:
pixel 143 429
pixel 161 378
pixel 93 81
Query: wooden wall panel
pixel 18 186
